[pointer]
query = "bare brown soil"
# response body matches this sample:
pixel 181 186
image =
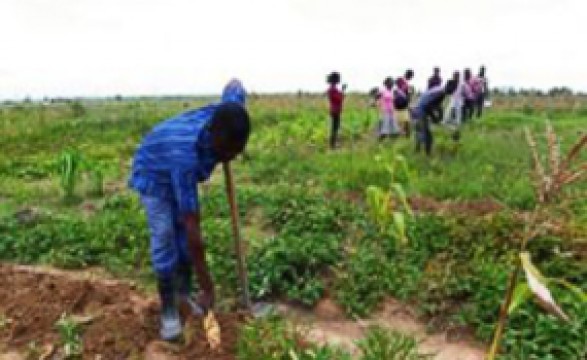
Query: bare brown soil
pixel 464 207
pixel 117 320
pixel 424 204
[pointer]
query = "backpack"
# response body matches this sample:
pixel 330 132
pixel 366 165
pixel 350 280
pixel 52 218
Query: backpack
pixel 400 100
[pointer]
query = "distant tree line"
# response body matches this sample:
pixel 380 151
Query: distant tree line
pixel 498 91
pixel 552 92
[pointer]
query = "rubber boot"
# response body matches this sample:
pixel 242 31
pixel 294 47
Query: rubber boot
pixel 170 320
pixel 185 288
pixel 184 278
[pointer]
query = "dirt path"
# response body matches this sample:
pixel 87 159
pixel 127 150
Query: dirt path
pixel 328 325
pixel 119 322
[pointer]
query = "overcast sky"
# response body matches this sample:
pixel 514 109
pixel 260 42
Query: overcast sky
pixel 130 47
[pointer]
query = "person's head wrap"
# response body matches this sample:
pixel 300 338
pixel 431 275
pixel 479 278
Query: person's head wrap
pixel 234 91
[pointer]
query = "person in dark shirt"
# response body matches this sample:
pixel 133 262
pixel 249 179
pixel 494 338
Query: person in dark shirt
pixel 468 95
pixel 421 113
pixel 480 89
pixel 336 99
pixel 402 96
pixel 435 80
pixel 404 92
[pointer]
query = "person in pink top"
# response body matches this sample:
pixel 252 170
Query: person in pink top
pixel 480 90
pixel 388 125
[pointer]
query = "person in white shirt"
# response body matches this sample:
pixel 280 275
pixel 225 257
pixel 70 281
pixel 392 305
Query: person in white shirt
pixel 453 112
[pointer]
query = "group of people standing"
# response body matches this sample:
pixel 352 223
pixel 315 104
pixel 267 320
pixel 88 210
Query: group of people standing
pixel 466 95
pixel 469 98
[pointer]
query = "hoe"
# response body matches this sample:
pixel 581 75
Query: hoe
pixel 257 309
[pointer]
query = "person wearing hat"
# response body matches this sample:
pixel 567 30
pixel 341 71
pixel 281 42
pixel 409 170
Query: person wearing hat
pixel 171 160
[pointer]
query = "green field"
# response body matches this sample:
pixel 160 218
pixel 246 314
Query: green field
pixel 307 220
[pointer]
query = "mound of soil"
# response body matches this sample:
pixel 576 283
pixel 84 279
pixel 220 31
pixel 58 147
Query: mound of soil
pixel 117 321
pixel 467 207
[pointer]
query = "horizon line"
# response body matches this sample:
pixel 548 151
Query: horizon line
pixel 29 98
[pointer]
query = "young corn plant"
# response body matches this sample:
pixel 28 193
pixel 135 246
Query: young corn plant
pixel 70 334
pixel 388 207
pixel 549 184
pixel 69 166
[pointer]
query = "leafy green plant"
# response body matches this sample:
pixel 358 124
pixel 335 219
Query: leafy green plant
pixel 390 345
pixel 308 243
pixel 69 171
pixel 360 283
pixel 70 335
pixel 275 339
pixel 389 207
pixel 292 265
pixel 116 239
pixel 534 333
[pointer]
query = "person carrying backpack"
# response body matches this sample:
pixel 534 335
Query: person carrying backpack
pixel 401 100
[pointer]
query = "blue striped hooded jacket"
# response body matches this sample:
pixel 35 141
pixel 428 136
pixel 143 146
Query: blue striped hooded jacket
pixel 177 154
